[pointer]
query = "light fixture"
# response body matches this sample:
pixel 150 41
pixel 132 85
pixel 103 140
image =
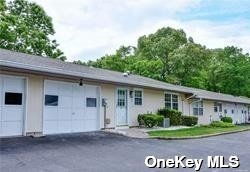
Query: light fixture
pixel 80 82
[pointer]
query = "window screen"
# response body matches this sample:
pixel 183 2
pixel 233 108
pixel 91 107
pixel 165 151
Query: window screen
pixel 51 100
pixel 13 98
pixel 91 102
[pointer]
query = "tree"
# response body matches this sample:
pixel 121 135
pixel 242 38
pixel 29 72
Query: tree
pixel 25 27
pixel 160 44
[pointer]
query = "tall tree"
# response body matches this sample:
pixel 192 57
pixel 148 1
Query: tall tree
pixel 25 27
pixel 160 44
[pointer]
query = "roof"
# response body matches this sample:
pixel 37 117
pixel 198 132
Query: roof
pixel 13 59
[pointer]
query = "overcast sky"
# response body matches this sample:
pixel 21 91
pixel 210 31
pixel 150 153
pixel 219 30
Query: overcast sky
pixel 89 29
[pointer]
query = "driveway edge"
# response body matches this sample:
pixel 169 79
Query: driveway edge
pixel 198 137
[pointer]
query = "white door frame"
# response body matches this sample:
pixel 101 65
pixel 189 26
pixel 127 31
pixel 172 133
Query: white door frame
pixel 127 108
pixel 24 98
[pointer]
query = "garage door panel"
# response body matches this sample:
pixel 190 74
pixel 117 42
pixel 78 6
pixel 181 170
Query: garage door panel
pixel 64 114
pixel 50 113
pixel 72 113
pixel 12 84
pixel 50 127
pixel 65 89
pixel 64 126
pixel 65 102
pixel 78 114
pixel 90 125
pixel 11 128
pixel 77 125
pixel 51 88
pixel 12 113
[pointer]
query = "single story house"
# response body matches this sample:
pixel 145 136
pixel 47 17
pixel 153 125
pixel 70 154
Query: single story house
pixel 40 96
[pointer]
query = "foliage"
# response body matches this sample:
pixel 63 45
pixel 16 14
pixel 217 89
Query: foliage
pixel 150 120
pixel 221 124
pixel 227 119
pixel 25 27
pixel 168 55
pixel 173 115
pixel 189 120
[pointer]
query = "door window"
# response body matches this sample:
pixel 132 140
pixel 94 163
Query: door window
pixel 91 102
pixel 51 100
pixel 13 98
pixel 121 99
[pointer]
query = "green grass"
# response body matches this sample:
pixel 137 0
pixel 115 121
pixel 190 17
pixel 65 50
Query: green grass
pixel 196 131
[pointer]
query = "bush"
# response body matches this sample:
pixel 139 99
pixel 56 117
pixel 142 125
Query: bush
pixel 189 120
pixel 221 124
pixel 150 120
pixel 173 115
pixel 227 119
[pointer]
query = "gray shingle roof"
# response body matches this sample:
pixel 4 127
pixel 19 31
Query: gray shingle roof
pixel 44 64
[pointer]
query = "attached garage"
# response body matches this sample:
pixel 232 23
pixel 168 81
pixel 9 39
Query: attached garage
pixel 70 107
pixel 12 101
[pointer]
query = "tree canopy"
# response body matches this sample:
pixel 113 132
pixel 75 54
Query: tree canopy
pixel 168 55
pixel 25 27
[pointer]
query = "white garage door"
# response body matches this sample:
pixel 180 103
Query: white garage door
pixel 11 105
pixel 70 108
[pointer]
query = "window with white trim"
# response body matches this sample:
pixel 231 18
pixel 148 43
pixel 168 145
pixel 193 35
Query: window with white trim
pixel 198 108
pixel 171 101
pixel 138 97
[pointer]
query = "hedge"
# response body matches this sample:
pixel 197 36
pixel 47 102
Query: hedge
pixel 173 115
pixel 221 124
pixel 189 120
pixel 227 119
pixel 149 120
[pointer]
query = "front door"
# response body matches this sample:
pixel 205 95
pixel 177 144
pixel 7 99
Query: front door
pixel 121 107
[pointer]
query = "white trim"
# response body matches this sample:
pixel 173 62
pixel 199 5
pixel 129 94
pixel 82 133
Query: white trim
pixel 142 96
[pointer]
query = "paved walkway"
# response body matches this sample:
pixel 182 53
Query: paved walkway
pixel 141 132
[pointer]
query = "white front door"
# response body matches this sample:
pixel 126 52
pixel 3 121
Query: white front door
pixel 11 105
pixel 70 108
pixel 121 107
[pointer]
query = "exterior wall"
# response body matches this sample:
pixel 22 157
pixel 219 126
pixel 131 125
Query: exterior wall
pixel 34 118
pixel 152 101
pixel 108 93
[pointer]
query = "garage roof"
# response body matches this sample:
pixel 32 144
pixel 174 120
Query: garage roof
pixel 44 64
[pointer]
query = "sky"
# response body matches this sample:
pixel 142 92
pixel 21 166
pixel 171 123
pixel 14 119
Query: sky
pixel 89 29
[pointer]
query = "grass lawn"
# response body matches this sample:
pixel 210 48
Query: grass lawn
pixel 196 131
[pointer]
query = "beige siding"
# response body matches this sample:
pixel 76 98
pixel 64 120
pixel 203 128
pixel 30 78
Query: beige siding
pixel 152 101
pixel 108 92
pixel 34 117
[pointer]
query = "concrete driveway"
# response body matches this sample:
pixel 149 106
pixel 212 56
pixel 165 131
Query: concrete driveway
pixel 100 151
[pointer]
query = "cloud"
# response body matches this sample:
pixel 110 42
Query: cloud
pixel 89 29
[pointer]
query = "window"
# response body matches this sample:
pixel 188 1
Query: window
pixel 217 107
pixel 232 111
pixel 51 100
pixel 242 111
pixel 91 102
pixel 138 97
pixel 13 98
pixel 198 108
pixel 171 101
pixel 225 111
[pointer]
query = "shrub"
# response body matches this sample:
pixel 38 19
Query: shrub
pixel 227 119
pixel 150 120
pixel 189 120
pixel 221 124
pixel 173 115
pixel 140 119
